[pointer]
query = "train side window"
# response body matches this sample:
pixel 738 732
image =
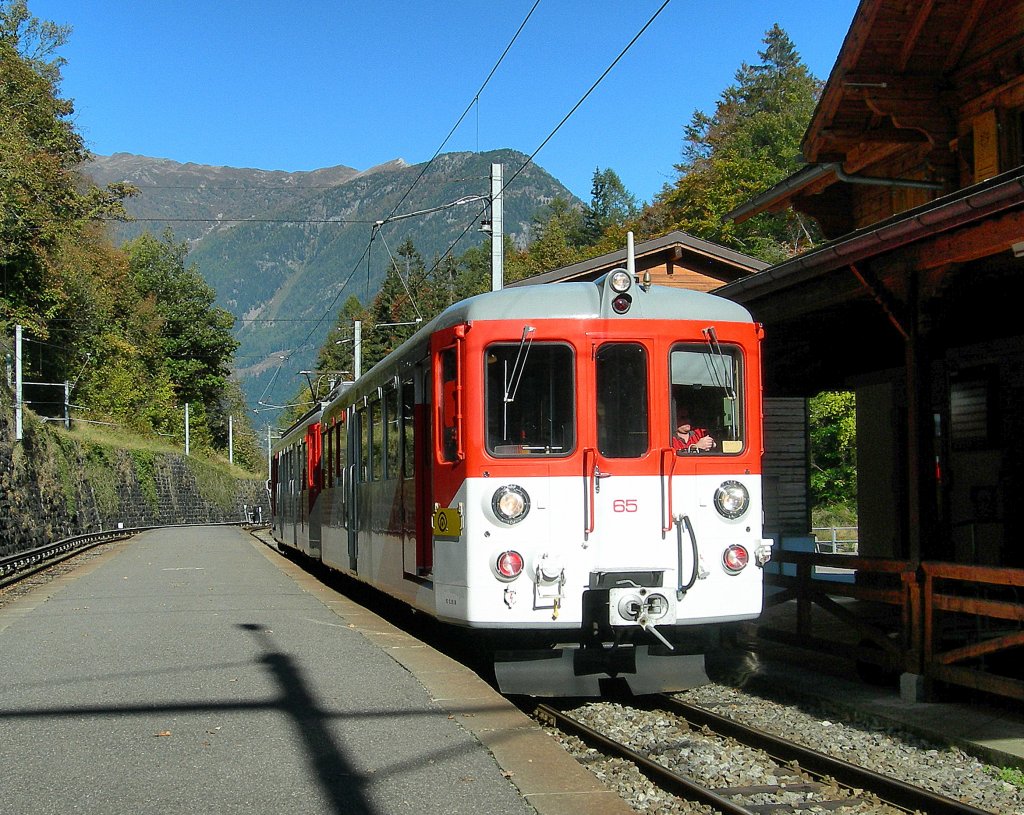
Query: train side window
pixel 531 403
pixel 449 405
pixel 707 388
pixel 622 400
pixel 393 433
pixel 328 453
pixel 305 460
pixel 364 448
pixel 340 446
pixel 408 438
pixel 376 434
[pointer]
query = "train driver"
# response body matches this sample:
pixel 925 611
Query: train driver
pixel 688 438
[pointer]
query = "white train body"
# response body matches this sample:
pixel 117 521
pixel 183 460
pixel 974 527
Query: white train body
pixel 514 469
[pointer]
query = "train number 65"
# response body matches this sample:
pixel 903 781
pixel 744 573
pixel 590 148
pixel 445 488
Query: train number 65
pixel 624 505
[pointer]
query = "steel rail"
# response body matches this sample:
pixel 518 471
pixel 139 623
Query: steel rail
pixel 24 564
pixel 891 790
pixel 675 783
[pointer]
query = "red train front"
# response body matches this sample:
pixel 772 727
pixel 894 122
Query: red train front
pixel 512 469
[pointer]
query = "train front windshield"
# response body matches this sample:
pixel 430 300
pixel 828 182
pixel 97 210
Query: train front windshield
pixel 531 406
pixel 706 393
pixel 532 410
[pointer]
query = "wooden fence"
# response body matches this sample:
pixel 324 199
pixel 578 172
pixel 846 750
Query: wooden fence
pixel 950 623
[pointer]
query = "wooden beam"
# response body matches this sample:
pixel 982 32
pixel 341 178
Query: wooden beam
pixel 893 310
pixel 910 37
pixel 989 237
pixel 884 133
pixel 968 21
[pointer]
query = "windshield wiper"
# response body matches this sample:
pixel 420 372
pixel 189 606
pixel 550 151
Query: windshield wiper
pixel 721 377
pixel 513 379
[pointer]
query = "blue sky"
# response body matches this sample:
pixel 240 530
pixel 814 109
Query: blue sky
pixel 298 86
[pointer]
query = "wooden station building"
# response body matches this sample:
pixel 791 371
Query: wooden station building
pixel 914 173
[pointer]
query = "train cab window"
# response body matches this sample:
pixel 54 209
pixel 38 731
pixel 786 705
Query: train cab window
pixel 622 403
pixel 531 406
pixel 706 393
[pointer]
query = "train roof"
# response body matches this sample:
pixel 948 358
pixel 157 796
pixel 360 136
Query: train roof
pixel 584 301
pixel 563 301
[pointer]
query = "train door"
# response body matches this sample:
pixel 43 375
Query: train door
pixel 356 474
pixel 314 485
pixel 621 462
pixel 417 540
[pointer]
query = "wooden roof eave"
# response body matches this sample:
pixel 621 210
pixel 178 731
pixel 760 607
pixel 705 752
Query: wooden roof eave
pixel 970 205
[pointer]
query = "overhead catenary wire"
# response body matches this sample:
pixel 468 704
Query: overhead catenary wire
pixel 392 214
pixel 557 127
pixel 505 186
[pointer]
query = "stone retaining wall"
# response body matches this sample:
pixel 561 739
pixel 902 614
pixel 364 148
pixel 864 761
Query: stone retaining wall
pixel 54 485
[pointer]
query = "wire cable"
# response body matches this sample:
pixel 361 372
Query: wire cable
pixel 469 107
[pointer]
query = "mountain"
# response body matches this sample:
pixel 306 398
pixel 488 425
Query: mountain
pixel 284 251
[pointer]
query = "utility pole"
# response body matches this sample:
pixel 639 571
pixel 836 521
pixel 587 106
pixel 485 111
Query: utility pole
pixel 18 399
pixel 186 428
pixel 497 230
pixel 231 439
pixel 357 349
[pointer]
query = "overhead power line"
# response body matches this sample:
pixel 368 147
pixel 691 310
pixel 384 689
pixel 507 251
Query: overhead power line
pixel 505 186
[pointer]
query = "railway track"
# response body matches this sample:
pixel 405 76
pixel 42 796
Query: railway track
pixel 797 778
pixel 17 567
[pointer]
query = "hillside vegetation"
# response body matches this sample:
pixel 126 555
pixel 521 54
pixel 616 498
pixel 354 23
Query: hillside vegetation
pixel 264 271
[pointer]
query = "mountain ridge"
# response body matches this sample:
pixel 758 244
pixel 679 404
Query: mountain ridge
pixel 284 250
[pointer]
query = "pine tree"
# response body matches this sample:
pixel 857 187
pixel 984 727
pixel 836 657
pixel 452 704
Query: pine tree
pixel 750 143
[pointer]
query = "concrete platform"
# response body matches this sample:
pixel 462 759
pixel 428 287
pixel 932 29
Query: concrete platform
pixel 196 670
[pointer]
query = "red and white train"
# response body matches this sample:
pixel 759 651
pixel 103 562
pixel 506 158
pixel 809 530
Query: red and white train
pixel 510 469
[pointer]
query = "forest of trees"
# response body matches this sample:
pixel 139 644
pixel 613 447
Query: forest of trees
pixel 750 142
pixel 135 328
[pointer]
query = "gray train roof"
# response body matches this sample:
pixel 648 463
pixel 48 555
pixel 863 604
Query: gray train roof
pixel 564 301
pixel 583 301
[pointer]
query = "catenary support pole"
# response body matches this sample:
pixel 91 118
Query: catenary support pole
pixel 357 349
pixel 497 230
pixel 18 398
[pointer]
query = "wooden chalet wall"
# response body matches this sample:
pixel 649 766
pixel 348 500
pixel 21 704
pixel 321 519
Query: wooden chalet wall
pixel 785 468
pixel 675 259
pixel 922 91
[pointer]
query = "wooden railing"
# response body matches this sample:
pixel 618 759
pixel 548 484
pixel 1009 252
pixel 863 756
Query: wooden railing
pixel 973 617
pixel 950 623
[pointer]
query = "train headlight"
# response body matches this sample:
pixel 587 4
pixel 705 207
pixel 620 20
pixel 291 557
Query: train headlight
pixel 510 503
pixel 735 558
pixel 731 499
pixel 620 281
pixel 509 565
